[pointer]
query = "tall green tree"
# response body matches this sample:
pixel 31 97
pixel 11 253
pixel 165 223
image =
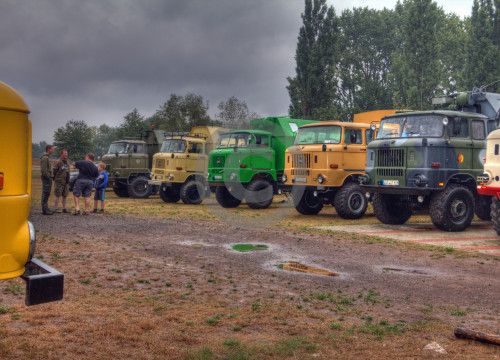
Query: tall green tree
pixel 365 49
pixel 417 72
pixel 313 89
pixel 181 113
pixel 482 60
pixel 103 136
pixel 76 137
pixel 38 149
pixel 234 114
pixel 132 125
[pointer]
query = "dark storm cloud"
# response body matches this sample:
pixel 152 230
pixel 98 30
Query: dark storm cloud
pixel 96 60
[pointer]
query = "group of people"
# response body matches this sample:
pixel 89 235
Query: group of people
pixel 89 176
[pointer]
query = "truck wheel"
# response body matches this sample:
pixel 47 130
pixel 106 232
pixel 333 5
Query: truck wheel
pixel 120 190
pixel 139 188
pixel 483 207
pixel 189 193
pixel 169 195
pixel 308 204
pixel 495 214
pixel 225 199
pixel 259 194
pixel 389 210
pixel 350 202
pixel 452 209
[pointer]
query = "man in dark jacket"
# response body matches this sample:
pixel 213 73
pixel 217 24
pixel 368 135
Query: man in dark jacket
pixel 46 169
pixel 61 181
pixel 84 182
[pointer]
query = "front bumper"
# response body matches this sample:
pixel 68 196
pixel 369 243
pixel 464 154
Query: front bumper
pixel 43 283
pixel 396 190
pixel 488 190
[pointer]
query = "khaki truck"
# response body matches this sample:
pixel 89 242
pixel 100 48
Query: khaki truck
pixel 326 162
pixel 180 168
pixel 128 164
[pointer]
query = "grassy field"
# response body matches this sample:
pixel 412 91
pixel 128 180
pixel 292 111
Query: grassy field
pixel 128 303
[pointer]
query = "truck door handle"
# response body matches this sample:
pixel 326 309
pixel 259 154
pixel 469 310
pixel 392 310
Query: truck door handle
pixel 363 149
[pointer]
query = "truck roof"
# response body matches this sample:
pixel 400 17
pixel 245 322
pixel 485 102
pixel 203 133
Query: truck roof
pixel 131 141
pixel 450 113
pixel 11 100
pixel 372 116
pixel 256 132
pixel 338 123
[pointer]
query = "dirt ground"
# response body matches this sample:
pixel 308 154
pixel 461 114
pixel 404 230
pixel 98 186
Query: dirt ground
pixel 170 286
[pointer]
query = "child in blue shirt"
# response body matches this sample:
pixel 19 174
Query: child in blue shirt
pixel 100 187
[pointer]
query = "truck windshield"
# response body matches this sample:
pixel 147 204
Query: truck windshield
pixel 234 140
pixel 411 126
pixel 319 135
pixel 118 148
pixel 175 146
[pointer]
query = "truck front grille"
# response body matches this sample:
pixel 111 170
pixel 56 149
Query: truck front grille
pixel 390 172
pixel 390 158
pixel 299 171
pixel 301 161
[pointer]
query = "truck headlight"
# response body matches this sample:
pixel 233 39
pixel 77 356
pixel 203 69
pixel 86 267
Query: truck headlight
pixel 321 179
pixel 32 234
pixel 170 176
pixel 232 176
pixel 484 178
pixel 284 178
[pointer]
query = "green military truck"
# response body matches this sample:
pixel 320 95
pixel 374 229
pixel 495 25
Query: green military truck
pixel 129 161
pixel 430 160
pixel 249 164
pixel 180 166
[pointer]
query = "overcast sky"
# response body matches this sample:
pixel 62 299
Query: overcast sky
pixel 97 60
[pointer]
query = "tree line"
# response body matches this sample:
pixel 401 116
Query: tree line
pixel 365 59
pixel 178 113
pixel 360 60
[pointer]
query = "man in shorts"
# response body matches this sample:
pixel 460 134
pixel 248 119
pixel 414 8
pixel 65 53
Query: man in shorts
pixel 61 181
pixel 84 182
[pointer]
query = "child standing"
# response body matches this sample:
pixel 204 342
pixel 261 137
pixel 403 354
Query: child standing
pixel 100 187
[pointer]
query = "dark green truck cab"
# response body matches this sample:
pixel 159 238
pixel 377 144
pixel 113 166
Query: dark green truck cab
pixel 430 160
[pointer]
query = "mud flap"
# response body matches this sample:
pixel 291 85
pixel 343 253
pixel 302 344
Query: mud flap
pixel 43 283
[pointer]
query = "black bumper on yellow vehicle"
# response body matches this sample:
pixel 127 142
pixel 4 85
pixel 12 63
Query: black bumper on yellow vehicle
pixel 43 283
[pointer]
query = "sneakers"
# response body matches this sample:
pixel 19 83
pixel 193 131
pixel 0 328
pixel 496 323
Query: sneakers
pixel 101 211
pixel 57 211
pixel 76 212
pixel 47 212
pixel 66 211
pixel 94 211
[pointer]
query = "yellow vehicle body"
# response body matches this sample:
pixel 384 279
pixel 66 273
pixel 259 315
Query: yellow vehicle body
pixel 324 165
pixel 180 171
pixel 15 183
pixel 305 163
pixel 372 117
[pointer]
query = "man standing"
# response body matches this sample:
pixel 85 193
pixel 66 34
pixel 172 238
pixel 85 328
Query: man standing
pixel 61 181
pixel 46 169
pixel 84 182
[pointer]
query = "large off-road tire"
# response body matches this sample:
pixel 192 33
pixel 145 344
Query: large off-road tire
pixel 259 194
pixel 190 194
pixel 389 210
pixel 350 202
pixel 139 188
pixel 120 190
pixel 308 204
pixel 483 207
pixel 169 195
pixel 225 199
pixel 495 214
pixel 452 209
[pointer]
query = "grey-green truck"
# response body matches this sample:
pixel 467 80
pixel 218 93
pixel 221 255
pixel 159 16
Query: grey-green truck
pixel 129 162
pixel 430 160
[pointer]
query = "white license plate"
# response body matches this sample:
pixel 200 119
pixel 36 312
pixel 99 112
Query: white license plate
pixel 300 179
pixel 390 182
pixel 217 177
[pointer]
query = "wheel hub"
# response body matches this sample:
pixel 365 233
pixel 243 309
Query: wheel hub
pixel 458 208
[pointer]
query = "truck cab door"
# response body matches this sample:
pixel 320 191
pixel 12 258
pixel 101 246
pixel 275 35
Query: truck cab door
pixel 354 150
pixel 459 155
pixel 262 155
pixel 479 133
pixel 196 160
